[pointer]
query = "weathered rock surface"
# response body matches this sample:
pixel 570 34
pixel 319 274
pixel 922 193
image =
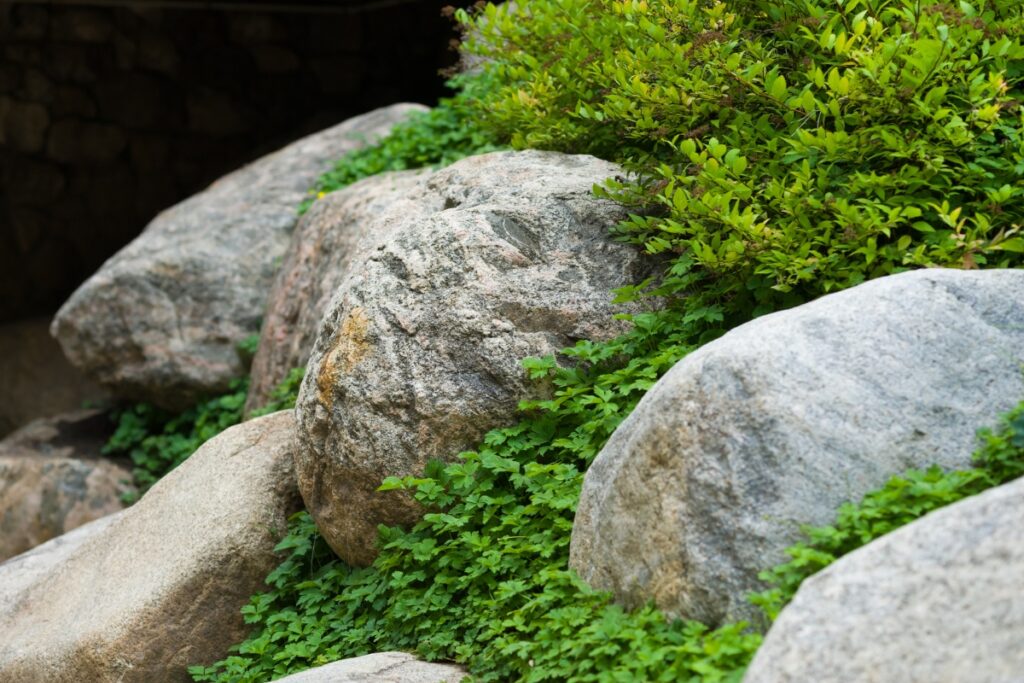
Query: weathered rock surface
pixel 338 230
pixel 160 320
pixel 783 419
pixel 35 379
pixel 52 479
pixel 161 586
pixel 43 497
pixel 20 573
pixel 939 600
pixel 419 353
pixel 382 667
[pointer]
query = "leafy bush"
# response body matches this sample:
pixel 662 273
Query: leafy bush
pixel 777 150
pixel 787 148
pixel 438 137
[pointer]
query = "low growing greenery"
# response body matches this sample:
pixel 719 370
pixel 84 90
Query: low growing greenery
pixel 775 150
pixel 483 579
pixel 283 396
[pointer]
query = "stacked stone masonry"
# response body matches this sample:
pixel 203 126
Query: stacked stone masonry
pixel 110 114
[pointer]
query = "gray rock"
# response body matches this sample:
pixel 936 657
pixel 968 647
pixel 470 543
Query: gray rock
pixel 418 355
pixel 160 320
pixel 783 419
pixel 938 601
pixel 52 479
pixel 36 381
pixel 339 230
pixel 381 667
pixel 161 586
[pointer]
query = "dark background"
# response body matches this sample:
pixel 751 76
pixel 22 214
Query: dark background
pixel 111 111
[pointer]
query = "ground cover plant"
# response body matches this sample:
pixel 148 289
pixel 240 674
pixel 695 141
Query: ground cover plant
pixel 472 584
pixel 778 150
pixel 283 396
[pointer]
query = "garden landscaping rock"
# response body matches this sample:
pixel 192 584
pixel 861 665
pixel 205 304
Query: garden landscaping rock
pixel 938 600
pixel 52 479
pixel 160 320
pixel 19 573
pixel 161 586
pixel 382 667
pixel 339 230
pixel 419 353
pixel 783 419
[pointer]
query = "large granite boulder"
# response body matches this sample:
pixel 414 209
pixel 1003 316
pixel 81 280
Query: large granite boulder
pixel 161 586
pixel 36 381
pixel 382 667
pixel 53 479
pixel 939 600
pixel 418 355
pixel 338 231
pixel 785 418
pixel 160 320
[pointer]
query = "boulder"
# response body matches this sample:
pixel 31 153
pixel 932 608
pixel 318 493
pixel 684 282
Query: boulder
pixel 35 379
pixel 938 600
pixel 783 419
pixel 19 573
pixel 161 586
pixel 418 355
pixel 382 667
pixel 53 479
pixel 160 320
pixel 338 230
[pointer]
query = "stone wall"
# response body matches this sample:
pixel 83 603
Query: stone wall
pixel 36 380
pixel 110 114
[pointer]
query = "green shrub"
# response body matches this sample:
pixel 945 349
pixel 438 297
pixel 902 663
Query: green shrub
pixel 438 137
pixel 786 148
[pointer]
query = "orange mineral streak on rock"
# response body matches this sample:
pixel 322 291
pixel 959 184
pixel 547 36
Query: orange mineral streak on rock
pixel 349 348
